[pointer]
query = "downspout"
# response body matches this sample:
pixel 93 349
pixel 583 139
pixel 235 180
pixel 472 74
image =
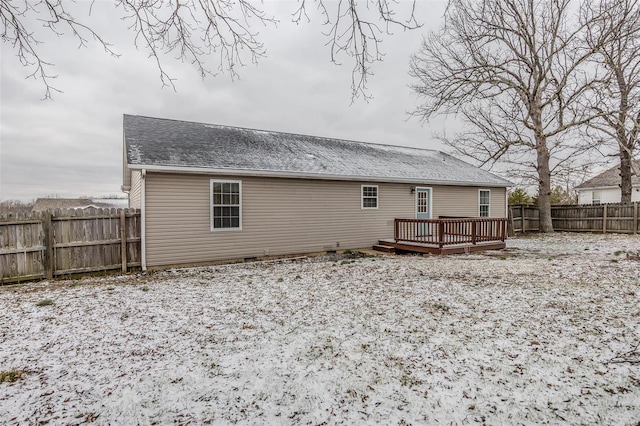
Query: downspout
pixel 506 215
pixel 506 203
pixel 143 229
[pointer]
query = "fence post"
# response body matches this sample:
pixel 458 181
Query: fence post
pixel 604 218
pixel 49 241
pixel 123 239
pixel 512 222
pixel 635 218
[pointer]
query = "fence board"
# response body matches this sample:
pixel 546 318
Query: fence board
pixel 618 218
pixel 64 242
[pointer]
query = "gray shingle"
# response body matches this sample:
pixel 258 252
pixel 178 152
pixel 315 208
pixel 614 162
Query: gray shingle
pixel 173 143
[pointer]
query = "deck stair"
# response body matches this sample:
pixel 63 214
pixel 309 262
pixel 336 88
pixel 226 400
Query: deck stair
pixel 381 246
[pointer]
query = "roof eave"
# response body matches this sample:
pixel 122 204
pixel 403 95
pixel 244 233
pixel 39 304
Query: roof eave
pixel 319 176
pixel 580 188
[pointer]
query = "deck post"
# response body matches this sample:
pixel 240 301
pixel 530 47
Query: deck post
pixel 473 232
pixel 441 234
pixel 395 230
pixel 504 231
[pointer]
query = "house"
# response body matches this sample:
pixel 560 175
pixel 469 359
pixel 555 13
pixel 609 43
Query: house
pixel 210 192
pixel 605 187
pixel 43 204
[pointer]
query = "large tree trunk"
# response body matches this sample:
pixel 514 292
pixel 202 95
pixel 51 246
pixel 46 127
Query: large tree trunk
pixel 544 172
pixel 544 185
pixel 621 133
pixel 626 186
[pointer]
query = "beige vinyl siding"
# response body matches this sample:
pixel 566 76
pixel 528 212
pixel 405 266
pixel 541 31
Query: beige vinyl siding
pixel 136 190
pixel 463 201
pixel 279 216
pixel 498 202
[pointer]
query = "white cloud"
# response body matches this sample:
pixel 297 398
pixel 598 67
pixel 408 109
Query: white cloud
pixel 73 144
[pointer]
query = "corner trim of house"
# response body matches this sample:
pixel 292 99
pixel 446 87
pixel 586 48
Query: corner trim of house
pixel 143 229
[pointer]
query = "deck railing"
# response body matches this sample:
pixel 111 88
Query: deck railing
pixel 445 232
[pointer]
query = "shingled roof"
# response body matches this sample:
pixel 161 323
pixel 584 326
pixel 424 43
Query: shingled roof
pixel 609 178
pixel 161 144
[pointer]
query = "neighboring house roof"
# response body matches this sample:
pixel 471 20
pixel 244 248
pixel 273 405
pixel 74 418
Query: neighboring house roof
pixel 162 144
pixel 119 203
pixel 609 177
pixel 77 203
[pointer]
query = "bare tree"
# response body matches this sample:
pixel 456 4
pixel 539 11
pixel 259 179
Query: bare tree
pixel 194 30
pixel 614 35
pixel 513 70
pixel 15 206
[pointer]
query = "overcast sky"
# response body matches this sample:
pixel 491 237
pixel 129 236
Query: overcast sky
pixel 72 145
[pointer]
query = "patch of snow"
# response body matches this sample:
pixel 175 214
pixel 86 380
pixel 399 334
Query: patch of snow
pixel 135 156
pixel 520 336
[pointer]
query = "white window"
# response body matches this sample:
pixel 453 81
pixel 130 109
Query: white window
pixel 226 205
pixel 484 202
pixel 369 197
pixel 596 197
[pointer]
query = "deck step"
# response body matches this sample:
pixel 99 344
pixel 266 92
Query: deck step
pixel 384 248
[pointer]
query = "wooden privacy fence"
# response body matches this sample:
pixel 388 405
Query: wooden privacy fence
pixel 64 242
pixel 618 218
pixel 523 218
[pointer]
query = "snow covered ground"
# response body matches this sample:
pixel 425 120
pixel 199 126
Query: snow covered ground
pixel 544 332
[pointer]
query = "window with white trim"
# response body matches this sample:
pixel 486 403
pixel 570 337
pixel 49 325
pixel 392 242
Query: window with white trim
pixel 369 197
pixel 226 205
pixel 596 197
pixel 484 202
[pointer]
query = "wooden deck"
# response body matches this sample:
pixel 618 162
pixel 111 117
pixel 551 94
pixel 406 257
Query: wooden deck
pixel 446 236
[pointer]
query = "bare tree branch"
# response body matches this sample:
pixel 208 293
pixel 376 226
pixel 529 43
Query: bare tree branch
pixel 52 15
pixel 195 30
pixel 356 32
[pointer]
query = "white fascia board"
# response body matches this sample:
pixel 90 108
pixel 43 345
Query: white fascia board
pixel 591 188
pixel 292 175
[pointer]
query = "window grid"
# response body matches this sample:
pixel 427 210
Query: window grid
pixel 226 205
pixel 596 197
pixel 423 202
pixel 484 202
pixel 369 197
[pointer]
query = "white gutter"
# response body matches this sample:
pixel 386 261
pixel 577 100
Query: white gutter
pixel 285 174
pixel 143 229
